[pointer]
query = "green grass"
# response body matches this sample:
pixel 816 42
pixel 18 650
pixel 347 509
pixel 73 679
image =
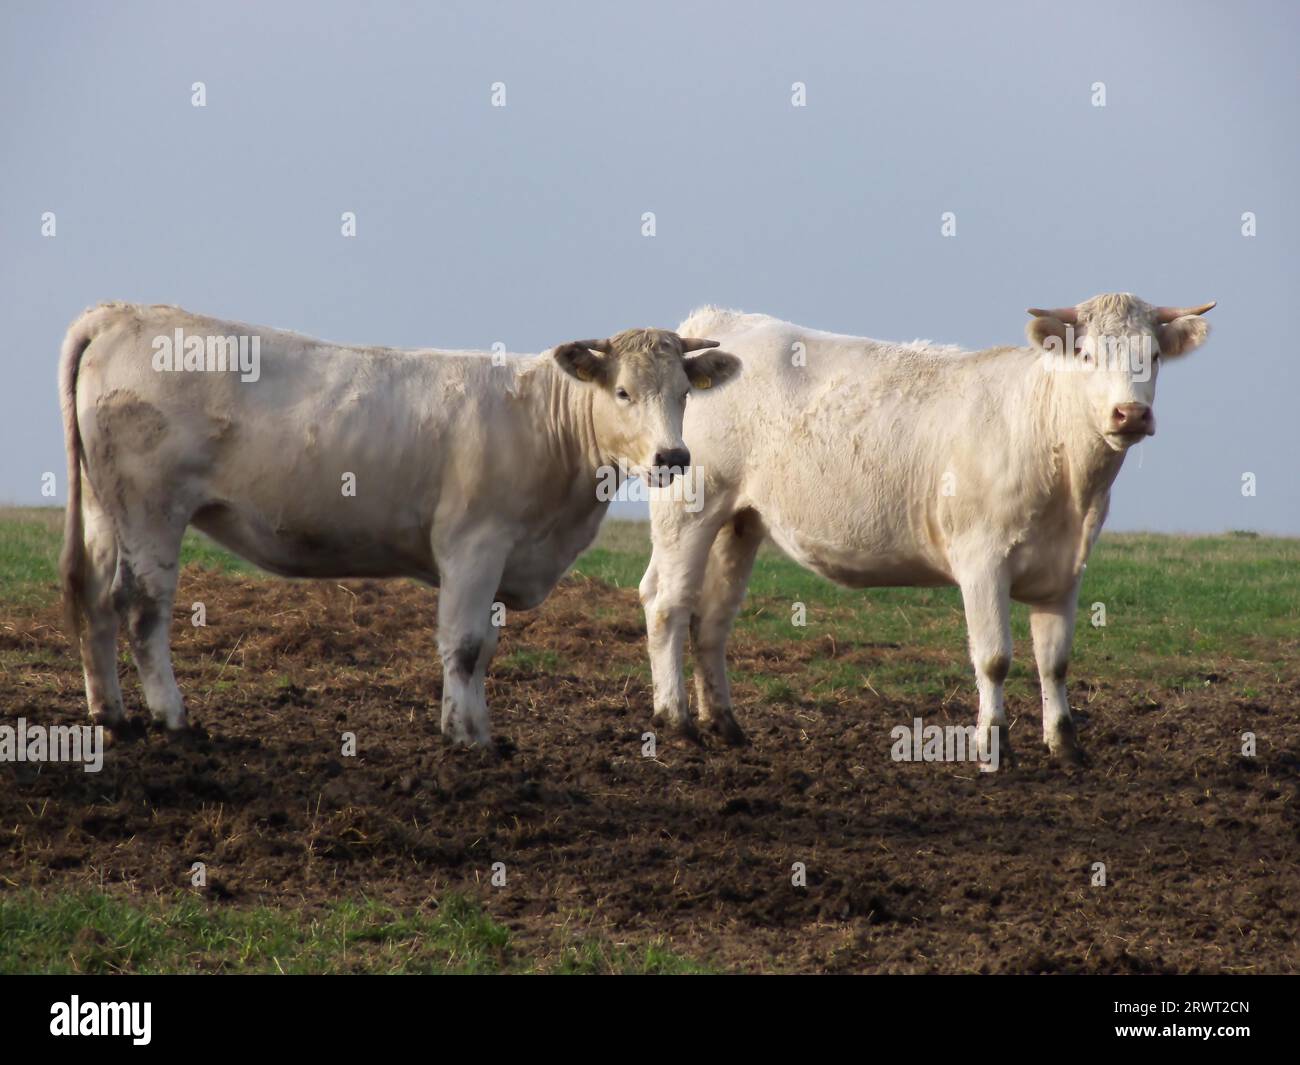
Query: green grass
pixel 30 539
pixel 622 568
pixel 534 661
pixel 1175 606
pixel 99 933
pixel 29 553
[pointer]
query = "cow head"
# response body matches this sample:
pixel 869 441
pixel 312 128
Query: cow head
pixel 639 382
pixel 1114 345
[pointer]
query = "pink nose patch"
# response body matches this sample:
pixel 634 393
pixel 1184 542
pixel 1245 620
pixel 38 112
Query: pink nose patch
pixel 1133 418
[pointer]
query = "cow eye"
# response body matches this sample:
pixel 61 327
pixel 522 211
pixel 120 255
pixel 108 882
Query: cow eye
pixel 622 394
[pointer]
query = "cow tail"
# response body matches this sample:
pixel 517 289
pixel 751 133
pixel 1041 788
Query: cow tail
pixel 72 560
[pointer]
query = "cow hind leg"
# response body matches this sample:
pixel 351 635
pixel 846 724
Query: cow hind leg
pixel 143 592
pixel 987 599
pixel 99 643
pixel 726 577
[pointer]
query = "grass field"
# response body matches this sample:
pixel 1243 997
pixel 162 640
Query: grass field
pixel 1176 608
pixel 1187 619
pixel 92 932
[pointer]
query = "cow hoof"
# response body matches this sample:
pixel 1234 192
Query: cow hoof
pixel 724 726
pixel 126 730
pixel 187 739
pixel 1006 762
pixel 1070 756
pixel 115 728
pixel 1006 755
pixel 464 729
pixel 1065 749
pixel 684 729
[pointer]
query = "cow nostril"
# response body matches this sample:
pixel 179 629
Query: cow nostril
pixel 1131 415
pixel 673 457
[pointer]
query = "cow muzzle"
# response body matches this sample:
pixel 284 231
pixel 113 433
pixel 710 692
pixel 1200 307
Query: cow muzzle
pixel 669 463
pixel 1132 421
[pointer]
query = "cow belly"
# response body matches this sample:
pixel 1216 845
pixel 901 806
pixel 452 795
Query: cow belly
pixel 318 550
pixel 857 567
pixel 536 565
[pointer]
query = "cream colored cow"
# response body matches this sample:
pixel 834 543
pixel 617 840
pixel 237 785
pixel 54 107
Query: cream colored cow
pixel 482 475
pixel 879 464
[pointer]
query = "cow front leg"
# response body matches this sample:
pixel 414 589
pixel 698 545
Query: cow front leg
pixel 665 639
pixel 1052 627
pixel 669 592
pixel 467 639
pixel 987 599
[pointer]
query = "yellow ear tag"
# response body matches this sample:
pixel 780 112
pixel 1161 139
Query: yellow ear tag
pixel 584 374
pixel 704 382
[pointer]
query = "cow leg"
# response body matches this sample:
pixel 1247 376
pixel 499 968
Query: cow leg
pixel 143 591
pixel 726 576
pixel 467 640
pixel 669 592
pixel 1053 631
pixel 986 595
pixel 99 644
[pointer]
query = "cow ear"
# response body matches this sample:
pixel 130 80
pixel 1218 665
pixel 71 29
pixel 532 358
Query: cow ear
pixel 1049 334
pixel 578 360
pixel 1183 335
pixel 712 369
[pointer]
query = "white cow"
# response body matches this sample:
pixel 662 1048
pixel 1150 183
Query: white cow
pixel 477 474
pixel 879 464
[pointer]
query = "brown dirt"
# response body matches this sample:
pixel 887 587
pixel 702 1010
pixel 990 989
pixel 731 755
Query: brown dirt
pixel 910 867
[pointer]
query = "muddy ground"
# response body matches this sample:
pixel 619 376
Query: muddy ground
pixel 910 868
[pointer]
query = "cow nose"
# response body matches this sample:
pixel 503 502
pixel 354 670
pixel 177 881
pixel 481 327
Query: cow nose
pixel 673 458
pixel 1133 418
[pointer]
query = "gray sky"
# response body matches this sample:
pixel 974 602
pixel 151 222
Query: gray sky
pixel 522 224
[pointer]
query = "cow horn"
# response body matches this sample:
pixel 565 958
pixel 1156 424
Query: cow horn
pixel 693 344
pixel 603 346
pixel 1068 315
pixel 1165 315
